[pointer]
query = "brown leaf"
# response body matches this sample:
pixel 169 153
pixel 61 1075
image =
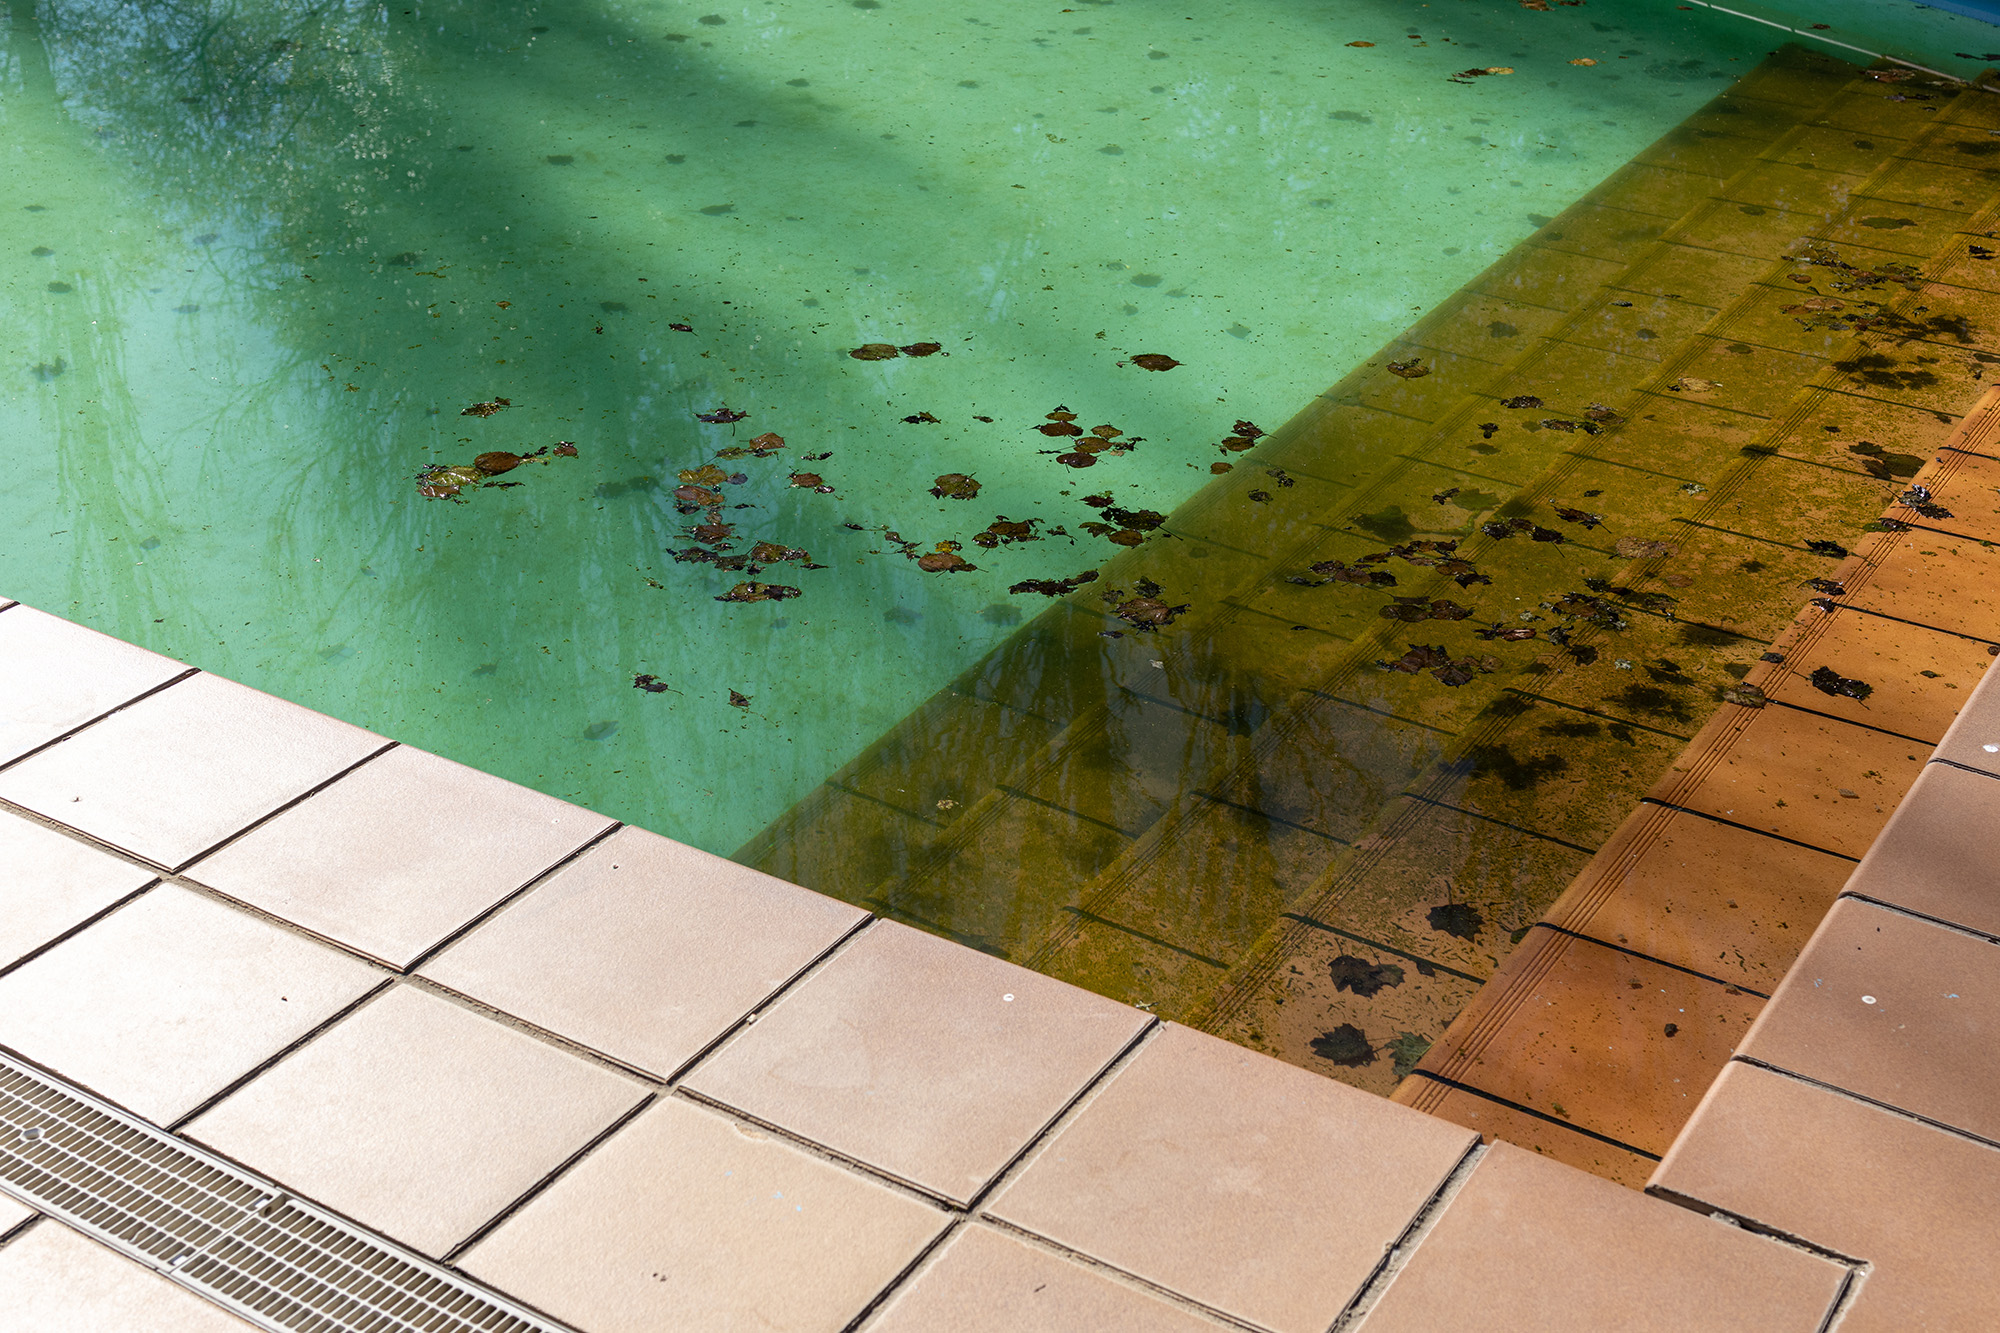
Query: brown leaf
pixel 955 486
pixel 486 409
pixel 1154 361
pixel 493 464
pixel 876 352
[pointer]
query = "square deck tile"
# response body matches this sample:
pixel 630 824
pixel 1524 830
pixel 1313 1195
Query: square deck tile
pixel 1973 740
pixel 1928 578
pixel 986 1281
pixel 684 1220
pixel 170 999
pixel 56 676
pixel 54 1280
pixel 644 949
pixel 922 1058
pixel 1914 1201
pixel 1935 857
pixel 49 883
pixel 179 771
pixel 400 853
pixel 1235 1180
pixel 1625 1261
pixel 417 1117
pixel 1895 1009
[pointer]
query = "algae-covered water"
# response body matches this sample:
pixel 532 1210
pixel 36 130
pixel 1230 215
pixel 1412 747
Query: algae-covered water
pixel 258 259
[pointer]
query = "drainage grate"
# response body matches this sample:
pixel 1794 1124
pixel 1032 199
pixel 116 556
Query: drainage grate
pixel 243 1242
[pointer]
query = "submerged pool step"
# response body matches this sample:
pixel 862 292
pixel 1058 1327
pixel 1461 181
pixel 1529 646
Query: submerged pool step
pixel 1184 834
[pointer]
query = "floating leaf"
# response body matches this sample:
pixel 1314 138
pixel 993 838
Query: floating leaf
pixel 1577 516
pixel 920 419
pixel 1060 428
pixel 944 562
pixel 1154 361
pixel 737 700
pixel 1055 587
pixel 919 349
pixel 1747 696
pixel 565 450
pixel 1828 681
pixel 807 480
pixel 955 486
pixel 1076 460
pixel 708 474
pixel 486 409
pixel 1826 548
pixel 721 416
pixel 1523 400
pixel 876 352
pixel 650 684
pixel 758 592
pixel 1412 369
pixel 496 462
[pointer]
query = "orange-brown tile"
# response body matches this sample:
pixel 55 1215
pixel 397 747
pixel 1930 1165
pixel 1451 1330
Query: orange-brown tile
pixel 183 769
pixel 1928 578
pixel 1898 1010
pixel 986 1281
pixel 1853 1179
pixel 1299 1185
pixel 924 1059
pixel 1624 1259
pixel 1726 901
pixel 56 676
pixel 1550 1138
pixel 682 1219
pixel 1820 781
pixel 1935 857
pixel 52 883
pixel 1966 486
pixel 1612 1043
pixel 380 862
pixel 644 949
pixel 1881 673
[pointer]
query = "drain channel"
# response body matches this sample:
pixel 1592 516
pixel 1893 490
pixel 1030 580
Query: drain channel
pixel 219 1231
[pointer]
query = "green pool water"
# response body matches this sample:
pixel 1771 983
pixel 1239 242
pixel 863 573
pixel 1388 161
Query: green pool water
pixel 257 259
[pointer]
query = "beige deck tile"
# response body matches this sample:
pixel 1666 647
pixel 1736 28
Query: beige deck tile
pixel 985 1281
pixel 1626 1262
pixel 49 883
pixel 1914 1201
pixel 399 853
pixel 924 1059
pixel 54 1280
pixel 168 1000
pixel 684 1220
pixel 176 773
pixel 644 949
pixel 1973 740
pixel 417 1117
pixel 1895 1009
pixel 1935 856
pixel 1240 1182
pixel 56 676
pixel 12 1213
pixel 1787 774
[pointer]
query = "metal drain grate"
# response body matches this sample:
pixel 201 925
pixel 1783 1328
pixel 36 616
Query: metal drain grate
pixel 216 1229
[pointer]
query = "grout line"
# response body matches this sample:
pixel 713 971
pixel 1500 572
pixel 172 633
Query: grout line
pixel 85 726
pixel 1901 620
pixel 1750 1224
pixel 465 928
pixel 1844 1299
pixel 1848 721
pixel 1399 1253
pixel 78 928
pixel 208 1103
pixel 1124 1277
pixel 20 1228
pixel 1862 1097
pixel 486 1228
pixel 1682 737
pixel 1956 928
pixel 926 1259
pixel 1747 828
pixel 1316 924
pixel 1043 801
pixel 1963 768
pixel 298 800
pixel 1511 1105
pixel 1646 957
pixel 1518 828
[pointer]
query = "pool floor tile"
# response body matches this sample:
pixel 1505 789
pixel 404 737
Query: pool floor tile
pixel 1623 1261
pixel 683 1219
pixel 985 1281
pixel 382 862
pixel 50 883
pixel 928 1061
pixel 179 771
pixel 1496 1121
pixel 1253 1188
pixel 1727 901
pixel 56 676
pixel 1846 1176
pixel 417 1116
pixel 1895 1009
pixel 1912 680
pixel 1814 779
pixel 169 999
pixel 644 949
pixel 55 1280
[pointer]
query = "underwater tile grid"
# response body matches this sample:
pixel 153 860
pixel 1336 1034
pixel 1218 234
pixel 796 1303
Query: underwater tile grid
pixel 1244 822
pixel 836 1122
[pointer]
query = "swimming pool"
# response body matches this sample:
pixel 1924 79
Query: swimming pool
pixel 887 307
